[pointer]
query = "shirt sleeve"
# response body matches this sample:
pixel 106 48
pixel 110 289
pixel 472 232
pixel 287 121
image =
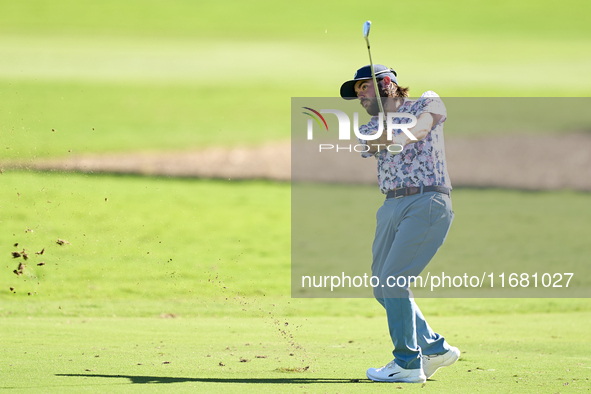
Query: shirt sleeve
pixel 432 103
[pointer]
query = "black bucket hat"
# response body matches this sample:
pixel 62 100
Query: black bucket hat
pixel 348 88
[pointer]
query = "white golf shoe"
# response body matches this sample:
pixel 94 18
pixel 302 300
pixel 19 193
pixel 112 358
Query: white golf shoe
pixel 432 363
pixel 393 372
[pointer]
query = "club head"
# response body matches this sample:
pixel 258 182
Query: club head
pixel 366 27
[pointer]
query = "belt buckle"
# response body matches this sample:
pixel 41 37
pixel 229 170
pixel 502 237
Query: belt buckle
pixel 396 196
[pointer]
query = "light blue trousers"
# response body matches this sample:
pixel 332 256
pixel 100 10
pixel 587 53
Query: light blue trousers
pixel 409 232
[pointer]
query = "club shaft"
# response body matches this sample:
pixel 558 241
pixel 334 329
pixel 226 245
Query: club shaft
pixel 375 81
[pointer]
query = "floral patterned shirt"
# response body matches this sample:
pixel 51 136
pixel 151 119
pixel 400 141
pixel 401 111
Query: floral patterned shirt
pixel 420 163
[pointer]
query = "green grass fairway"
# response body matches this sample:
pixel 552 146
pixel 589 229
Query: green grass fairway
pixel 149 75
pixel 144 281
pixel 166 284
pixel 147 251
pixel 529 353
pixel 260 20
pixel 59 119
pixel 136 238
pixel 140 237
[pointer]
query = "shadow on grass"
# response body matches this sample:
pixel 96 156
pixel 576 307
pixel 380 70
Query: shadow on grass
pixel 165 379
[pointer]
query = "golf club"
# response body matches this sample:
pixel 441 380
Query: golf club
pixel 366 27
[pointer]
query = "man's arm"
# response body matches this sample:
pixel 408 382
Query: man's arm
pixel 425 123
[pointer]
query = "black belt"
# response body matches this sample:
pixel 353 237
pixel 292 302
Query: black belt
pixel 409 191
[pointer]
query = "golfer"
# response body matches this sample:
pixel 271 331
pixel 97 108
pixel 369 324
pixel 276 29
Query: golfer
pixel 413 222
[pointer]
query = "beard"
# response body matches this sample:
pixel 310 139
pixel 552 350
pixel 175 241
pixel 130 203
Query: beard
pixel 372 106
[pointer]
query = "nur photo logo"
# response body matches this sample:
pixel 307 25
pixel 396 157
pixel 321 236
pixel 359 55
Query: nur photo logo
pixel 393 121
